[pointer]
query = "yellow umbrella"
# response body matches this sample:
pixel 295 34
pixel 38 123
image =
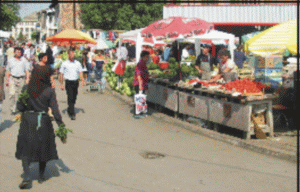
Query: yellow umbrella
pixel 275 40
pixel 72 35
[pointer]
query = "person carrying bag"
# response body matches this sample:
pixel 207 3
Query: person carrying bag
pixel 140 83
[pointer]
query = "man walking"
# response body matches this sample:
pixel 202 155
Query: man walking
pixel 17 70
pixel 71 70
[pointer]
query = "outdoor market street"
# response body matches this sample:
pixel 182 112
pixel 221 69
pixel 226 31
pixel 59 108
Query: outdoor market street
pixel 103 155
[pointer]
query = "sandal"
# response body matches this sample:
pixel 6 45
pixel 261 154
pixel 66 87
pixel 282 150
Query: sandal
pixel 24 184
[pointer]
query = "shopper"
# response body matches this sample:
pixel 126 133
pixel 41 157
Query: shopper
pixel 2 92
pixel 49 53
pixel 185 53
pixel 36 139
pixel 239 57
pixel 166 52
pixel 205 62
pixel 71 70
pixel 227 68
pixel 141 76
pixel 99 58
pixel 91 63
pixel 84 64
pixel 17 73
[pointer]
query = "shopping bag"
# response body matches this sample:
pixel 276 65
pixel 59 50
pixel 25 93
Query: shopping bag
pixel 120 68
pixel 140 103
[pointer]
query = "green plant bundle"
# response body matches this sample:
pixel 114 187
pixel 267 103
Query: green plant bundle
pixel 62 131
pixel 152 66
pixel 23 97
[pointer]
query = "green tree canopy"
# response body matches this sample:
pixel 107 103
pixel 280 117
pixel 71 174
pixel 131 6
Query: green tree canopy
pixel 9 14
pixel 120 15
pixel 21 38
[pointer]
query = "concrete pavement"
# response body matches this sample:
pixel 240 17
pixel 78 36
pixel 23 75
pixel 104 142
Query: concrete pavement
pixel 103 155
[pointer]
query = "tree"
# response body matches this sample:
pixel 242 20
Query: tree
pixel 21 38
pixel 9 15
pixel 124 15
pixel 36 35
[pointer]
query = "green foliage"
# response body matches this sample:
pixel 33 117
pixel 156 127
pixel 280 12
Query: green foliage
pixel 62 131
pixel 9 15
pixel 152 66
pixel 35 35
pixel 21 38
pixel 23 97
pixel 122 16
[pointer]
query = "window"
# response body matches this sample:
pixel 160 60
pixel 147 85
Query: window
pixel 26 30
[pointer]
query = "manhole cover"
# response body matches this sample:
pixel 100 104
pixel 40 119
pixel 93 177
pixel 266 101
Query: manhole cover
pixel 151 155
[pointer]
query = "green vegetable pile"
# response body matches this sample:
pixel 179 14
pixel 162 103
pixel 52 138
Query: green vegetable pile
pixel 188 70
pixel 127 79
pixel 78 56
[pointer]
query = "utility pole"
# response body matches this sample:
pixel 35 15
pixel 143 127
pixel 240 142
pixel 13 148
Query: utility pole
pixel 74 14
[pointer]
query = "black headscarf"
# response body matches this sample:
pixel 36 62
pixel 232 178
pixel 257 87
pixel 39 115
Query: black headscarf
pixel 50 55
pixel 39 81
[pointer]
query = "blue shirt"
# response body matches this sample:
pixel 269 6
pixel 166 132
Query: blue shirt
pixel 71 70
pixel 167 53
pixel 239 58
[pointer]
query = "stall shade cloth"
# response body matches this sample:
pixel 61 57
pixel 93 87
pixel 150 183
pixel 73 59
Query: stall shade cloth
pixel 175 26
pixel 275 40
pixel 72 35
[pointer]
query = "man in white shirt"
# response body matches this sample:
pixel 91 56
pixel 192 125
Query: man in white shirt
pixel 91 63
pixel 185 53
pixel 71 70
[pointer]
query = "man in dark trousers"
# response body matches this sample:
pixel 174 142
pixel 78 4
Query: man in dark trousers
pixel 71 70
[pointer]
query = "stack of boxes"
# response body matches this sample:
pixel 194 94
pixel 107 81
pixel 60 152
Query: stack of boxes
pixel 268 70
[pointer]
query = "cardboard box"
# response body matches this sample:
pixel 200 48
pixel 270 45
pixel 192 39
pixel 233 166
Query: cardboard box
pixel 272 82
pixel 288 82
pixel 260 118
pixel 274 61
pixel 267 73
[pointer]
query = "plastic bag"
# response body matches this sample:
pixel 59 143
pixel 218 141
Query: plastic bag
pixel 140 103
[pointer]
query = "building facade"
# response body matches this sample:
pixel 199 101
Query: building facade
pixel 27 26
pixel 238 19
pixel 48 20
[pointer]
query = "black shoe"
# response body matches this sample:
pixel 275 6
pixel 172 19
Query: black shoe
pixel 73 117
pixel 41 179
pixel 24 184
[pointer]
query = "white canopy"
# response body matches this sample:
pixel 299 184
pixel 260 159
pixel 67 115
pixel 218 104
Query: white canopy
pixel 137 37
pixel 4 34
pixel 215 36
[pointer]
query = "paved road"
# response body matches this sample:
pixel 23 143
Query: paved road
pixel 103 155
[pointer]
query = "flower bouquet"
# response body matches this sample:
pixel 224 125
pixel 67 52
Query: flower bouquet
pixel 62 132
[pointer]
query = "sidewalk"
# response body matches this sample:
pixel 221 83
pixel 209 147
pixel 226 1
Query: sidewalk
pixel 283 145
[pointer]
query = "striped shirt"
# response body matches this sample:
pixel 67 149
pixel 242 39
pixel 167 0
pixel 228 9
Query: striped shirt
pixel 17 67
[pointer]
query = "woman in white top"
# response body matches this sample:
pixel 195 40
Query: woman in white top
pixel 185 54
pixel 227 68
pixel 91 63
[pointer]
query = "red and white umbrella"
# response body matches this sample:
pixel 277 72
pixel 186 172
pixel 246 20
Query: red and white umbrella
pixel 174 26
pixel 150 41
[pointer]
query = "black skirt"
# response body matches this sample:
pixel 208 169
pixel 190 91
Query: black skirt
pixel 36 144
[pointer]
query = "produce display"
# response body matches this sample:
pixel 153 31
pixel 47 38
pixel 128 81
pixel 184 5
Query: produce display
pixel 191 58
pixel 170 74
pixel 126 86
pixel 245 85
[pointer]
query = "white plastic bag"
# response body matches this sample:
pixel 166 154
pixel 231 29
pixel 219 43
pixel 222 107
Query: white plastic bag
pixel 140 103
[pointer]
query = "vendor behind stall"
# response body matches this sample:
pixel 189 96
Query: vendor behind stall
pixel 205 62
pixel 227 68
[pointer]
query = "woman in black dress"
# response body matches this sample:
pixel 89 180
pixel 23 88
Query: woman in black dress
pixel 36 139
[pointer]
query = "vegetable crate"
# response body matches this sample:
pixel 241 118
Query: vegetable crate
pixel 246 74
pixel 238 116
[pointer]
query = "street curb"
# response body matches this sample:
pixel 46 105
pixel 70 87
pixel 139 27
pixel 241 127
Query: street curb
pixel 278 153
